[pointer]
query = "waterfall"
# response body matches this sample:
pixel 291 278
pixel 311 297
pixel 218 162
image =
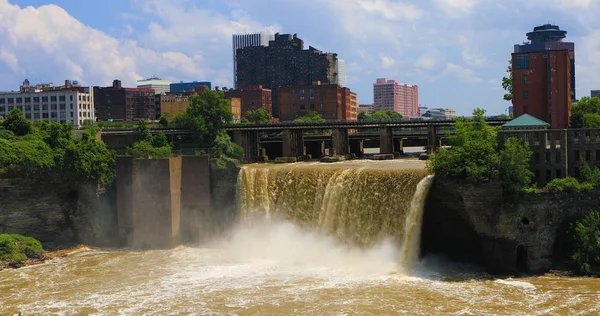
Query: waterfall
pixel 359 205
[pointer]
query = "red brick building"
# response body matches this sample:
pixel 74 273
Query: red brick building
pixel 542 86
pixel 252 98
pixel 330 100
pixel 124 104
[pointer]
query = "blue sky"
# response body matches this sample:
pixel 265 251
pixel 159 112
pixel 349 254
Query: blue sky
pixel 455 50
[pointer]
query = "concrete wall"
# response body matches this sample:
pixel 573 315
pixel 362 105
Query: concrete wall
pixel 196 196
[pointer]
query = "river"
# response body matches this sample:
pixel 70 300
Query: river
pixel 295 251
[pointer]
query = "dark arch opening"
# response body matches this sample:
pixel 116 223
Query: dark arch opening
pixel 522 259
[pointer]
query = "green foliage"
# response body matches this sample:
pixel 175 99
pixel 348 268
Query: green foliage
pixel 207 115
pixel 145 150
pixel 589 180
pixel 14 247
pixel 586 113
pixel 380 116
pixel 475 154
pixel 50 152
pixel 507 83
pixel 16 122
pixel 514 169
pixel 141 128
pixel 164 119
pixel 6 134
pixel 568 184
pixel 224 146
pixel 259 116
pixel 311 116
pixel 362 116
pixel 586 235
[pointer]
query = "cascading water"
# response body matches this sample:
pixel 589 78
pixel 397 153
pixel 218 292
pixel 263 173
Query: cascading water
pixel 360 205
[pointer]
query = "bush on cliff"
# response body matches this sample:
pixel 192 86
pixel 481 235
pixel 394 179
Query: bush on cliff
pixel 50 152
pixel 586 237
pixel 475 154
pixel 589 180
pixel 14 247
pixel 150 146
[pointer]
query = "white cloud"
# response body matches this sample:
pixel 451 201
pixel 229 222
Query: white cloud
pixel 429 60
pixel 456 8
pixel 469 52
pixel 465 74
pixel 389 10
pixel 388 62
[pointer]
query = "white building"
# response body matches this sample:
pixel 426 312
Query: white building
pixel 160 86
pixel 365 108
pixel 248 40
pixel 52 106
pixel 341 69
pixel 440 114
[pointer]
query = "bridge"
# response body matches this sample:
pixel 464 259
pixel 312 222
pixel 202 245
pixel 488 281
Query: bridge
pixel 290 140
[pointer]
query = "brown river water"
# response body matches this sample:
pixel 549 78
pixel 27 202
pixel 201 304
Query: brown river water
pixel 312 240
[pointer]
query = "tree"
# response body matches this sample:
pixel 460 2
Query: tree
pixel 586 238
pixel 362 116
pixel 16 122
pixel 507 83
pixel 145 149
pixel 514 162
pixel 310 116
pixel 224 146
pixel 142 130
pixel 206 116
pixel 259 116
pixel 586 113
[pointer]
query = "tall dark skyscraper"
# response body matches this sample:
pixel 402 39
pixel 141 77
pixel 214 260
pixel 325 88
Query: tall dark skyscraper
pixel 549 37
pixel 285 63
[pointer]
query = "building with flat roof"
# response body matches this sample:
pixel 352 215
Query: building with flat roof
pixel 390 95
pixel 247 40
pixel 252 98
pixel 330 100
pixel 285 63
pixel 595 93
pixel 181 87
pixel 74 106
pixel 116 103
pixel 158 85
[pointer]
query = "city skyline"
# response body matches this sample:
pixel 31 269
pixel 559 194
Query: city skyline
pixel 455 51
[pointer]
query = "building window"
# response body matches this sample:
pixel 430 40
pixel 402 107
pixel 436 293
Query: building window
pixel 524 79
pixel 53 99
pixel 45 115
pixel 19 100
pixel 53 106
pixel 63 106
pixel 10 101
pixel 44 99
pixel 2 101
pixel 2 108
pixel 525 94
pixel 36 99
pixel 71 97
pixel 27 99
pixel 522 62
pixel 61 98
pixel 36 107
pixel 302 91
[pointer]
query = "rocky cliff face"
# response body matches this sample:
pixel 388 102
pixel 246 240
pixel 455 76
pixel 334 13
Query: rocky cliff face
pixel 476 223
pixel 53 216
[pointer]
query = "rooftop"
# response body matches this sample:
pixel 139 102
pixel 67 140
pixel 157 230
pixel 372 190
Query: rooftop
pixel 526 120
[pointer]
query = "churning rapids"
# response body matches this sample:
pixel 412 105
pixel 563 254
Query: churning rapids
pixel 319 239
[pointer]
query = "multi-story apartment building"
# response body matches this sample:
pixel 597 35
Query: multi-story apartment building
pixel 116 103
pixel 542 86
pixel 247 40
pixel 389 95
pixel 252 98
pixel 285 63
pixel 75 105
pixel 171 103
pixel 182 87
pixel 158 85
pixel 549 37
pixel 365 108
pixel 330 100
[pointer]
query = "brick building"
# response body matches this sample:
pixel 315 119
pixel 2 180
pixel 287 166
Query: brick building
pixel 390 95
pixel 285 63
pixel 176 102
pixel 252 98
pixel 124 104
pixel 542 86
pixel 330 100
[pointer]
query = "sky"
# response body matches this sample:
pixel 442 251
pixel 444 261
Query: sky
pixel 456 51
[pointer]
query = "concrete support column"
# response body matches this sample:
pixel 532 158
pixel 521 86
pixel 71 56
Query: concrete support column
pixel 293 143
pixel 386 140
pixel 248 140
pixel 432 144
pixel 399 146
pixel 148 199
pixel 340 141
pixel 357 147
pixel 196 198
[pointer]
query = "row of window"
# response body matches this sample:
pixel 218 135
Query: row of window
pixel 20 100
pixel 36 107
pixel 37 116
pixel 301 91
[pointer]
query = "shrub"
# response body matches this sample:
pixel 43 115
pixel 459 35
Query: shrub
pixel 568 184
pixel 144 149
pixel 14 247
pixel 586 237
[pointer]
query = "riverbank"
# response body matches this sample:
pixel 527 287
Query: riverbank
pixel 47 255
